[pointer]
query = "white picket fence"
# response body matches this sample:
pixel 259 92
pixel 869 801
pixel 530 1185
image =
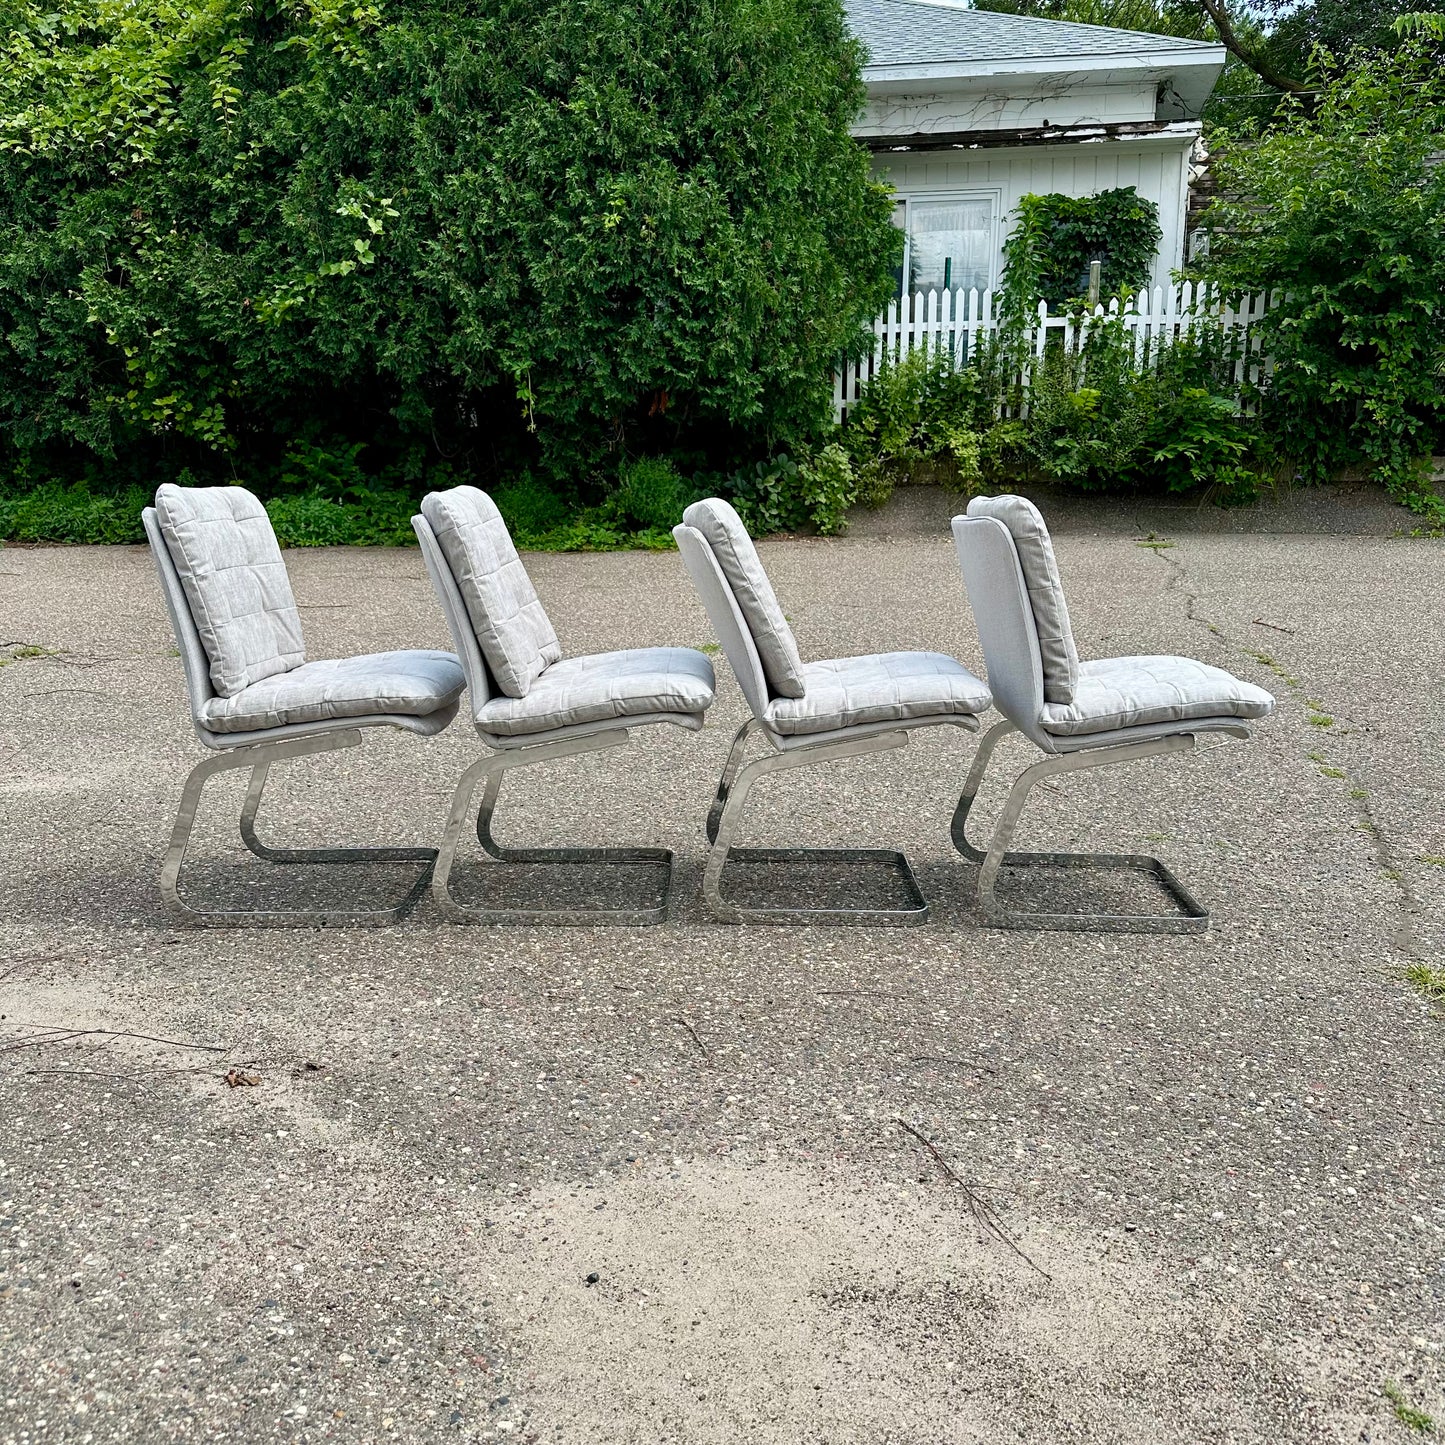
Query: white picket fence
pixel 954 323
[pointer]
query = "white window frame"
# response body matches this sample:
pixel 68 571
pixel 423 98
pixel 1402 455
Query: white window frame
pixel 992 194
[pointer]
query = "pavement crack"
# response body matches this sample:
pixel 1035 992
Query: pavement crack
pixel 1388 855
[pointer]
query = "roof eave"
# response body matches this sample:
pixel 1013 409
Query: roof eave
pixel 1166 61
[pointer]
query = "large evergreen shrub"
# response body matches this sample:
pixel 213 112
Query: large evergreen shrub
pixel 407 240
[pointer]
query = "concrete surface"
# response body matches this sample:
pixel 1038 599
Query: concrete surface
pixel 1218 1160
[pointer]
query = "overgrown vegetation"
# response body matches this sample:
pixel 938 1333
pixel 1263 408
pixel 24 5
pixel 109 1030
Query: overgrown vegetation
pixel 344 253
pixel 1341 206
pixel 1054 239
pixel 1098 416
pixel 602 258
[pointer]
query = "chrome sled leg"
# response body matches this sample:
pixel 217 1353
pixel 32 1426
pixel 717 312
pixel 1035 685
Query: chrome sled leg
pixel 491 771
pixel 259 759
pixel 726 812
pixel 1192 917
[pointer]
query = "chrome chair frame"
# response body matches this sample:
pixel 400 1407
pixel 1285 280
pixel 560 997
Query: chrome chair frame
pixel 726 813
pixel 258 751
pixel 491 769
pixel 1193 917
pixel 788 752
pixel 1004 615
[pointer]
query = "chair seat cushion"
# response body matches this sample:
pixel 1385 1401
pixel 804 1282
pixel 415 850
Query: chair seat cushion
pixel 885 687
pixel 604 685
pixel 1125 692
pixel 412 684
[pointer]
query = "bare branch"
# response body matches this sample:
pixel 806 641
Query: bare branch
pixel 983 1212
pixel 1218 13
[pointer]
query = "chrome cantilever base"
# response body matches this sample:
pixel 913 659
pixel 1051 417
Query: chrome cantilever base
pixel 493 768
pixel 726 812
pixel 1192 917
pixel 259 757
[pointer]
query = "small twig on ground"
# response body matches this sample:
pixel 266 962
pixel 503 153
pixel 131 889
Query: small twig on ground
pixel 983 1212
pixel 861 993
pixel 959 1063
pixel 701 1047
pixel 90 1074
pixel 1274 626
pixel 59 1034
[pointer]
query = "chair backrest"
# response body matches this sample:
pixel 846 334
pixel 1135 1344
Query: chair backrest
pixel 725 615
pixel 507 617
pixel 196 664
pixel 1057 654
pixel 216 545
pixel 722 531
pixel 474 666
pixel 999 596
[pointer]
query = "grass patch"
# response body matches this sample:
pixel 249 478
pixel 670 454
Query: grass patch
pixel 1427 979
pixel 22 652
pixel 1411 1416
pixel 1332 772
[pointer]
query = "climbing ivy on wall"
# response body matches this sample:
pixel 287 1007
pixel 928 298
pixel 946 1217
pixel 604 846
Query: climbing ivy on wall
pixel 1055 237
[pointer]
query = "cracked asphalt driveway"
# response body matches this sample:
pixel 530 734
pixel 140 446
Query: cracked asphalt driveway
pixel 591 1185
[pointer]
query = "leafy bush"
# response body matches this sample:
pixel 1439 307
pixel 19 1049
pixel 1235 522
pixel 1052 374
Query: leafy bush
pixel 651 494
pixel 1100 418
pixel 53 512
pixel 783 495
pixel 311 520
pixel 529 509
pixel 829 489
pixel 919 419
pixel 323 247
pixel 768 496
pixel 1341 206
pixel 1048 251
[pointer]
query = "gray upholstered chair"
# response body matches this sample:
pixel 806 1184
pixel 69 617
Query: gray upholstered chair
pixel 256 700
pixel 1080 714
pixel 808 712
pixel 531 704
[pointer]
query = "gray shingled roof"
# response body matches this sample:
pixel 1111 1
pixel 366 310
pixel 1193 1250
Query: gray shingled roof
pixel 914 32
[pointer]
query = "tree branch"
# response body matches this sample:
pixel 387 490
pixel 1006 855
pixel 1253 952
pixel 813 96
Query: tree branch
pixel 1219 15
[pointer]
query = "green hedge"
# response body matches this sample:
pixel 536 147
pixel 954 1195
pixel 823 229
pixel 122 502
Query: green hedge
pixel 347 252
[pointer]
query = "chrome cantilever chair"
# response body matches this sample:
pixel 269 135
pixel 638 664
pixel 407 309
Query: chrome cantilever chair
pixel 530 704
pixel 1080 714
pixel 810 712
pixel 256 700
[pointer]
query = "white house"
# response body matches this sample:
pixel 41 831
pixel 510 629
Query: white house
pixel 969 110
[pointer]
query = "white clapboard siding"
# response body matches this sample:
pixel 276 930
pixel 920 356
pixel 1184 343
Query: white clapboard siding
pixel 955 323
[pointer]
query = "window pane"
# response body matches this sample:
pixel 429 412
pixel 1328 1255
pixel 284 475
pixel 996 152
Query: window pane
pixel 951 244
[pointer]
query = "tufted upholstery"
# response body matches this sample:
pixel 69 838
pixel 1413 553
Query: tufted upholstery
pixel 1046 592
pixel 411 684
pixel 605 685
pixel 724 532
pixel 1125 692
pixel 506 614
pixel 229 563
pixel 887 687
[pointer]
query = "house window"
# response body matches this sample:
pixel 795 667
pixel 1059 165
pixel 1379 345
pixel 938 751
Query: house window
pixel 952 242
